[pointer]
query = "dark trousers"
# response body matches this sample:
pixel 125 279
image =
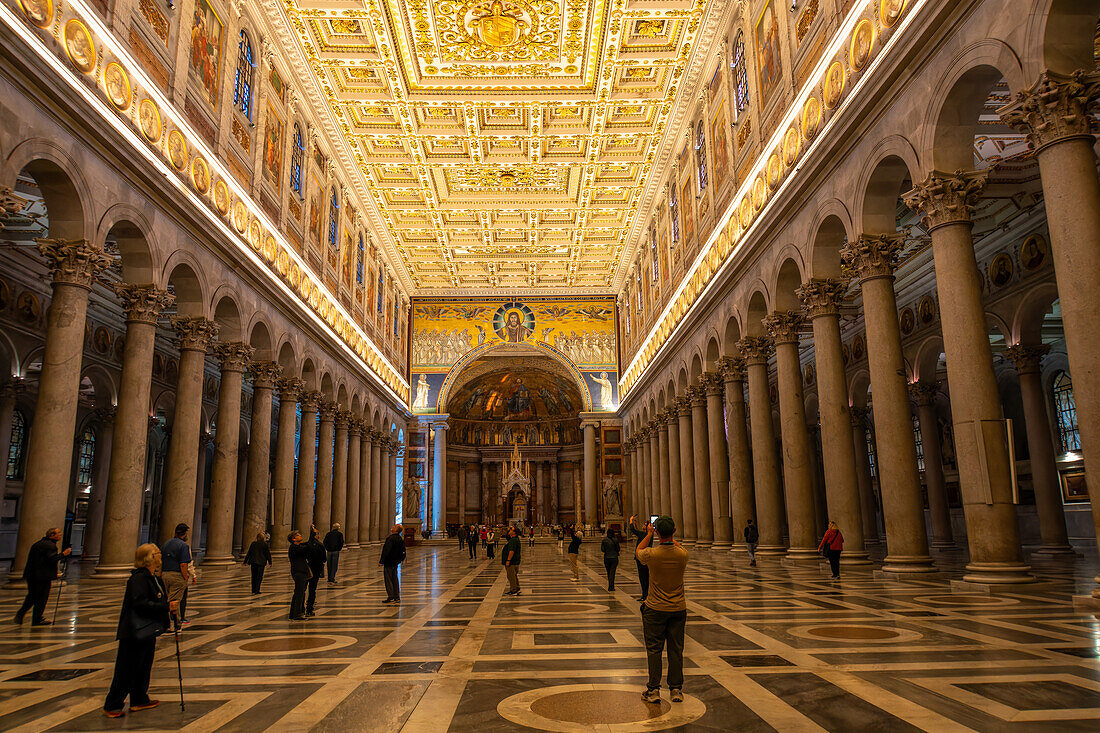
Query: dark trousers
pixel 473 549
pixel 834 561
pixel 393 584
pixel 298 600
pixel 333 565
pixel 133 665
pixel 38 592
pixel 661 627
pixel 643 578
pixel 257 577
pixel 311 586
pixel 491 550
pixel 611 564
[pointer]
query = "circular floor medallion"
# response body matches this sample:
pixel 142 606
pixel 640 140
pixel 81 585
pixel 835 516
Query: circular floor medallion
pixel 285 644
pixel 965 599
pixel 854 633
pixel 609 707
pixel 564 608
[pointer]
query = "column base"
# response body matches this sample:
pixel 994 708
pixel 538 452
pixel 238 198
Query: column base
pixel 943 545
pixel 1055 551
pixel 998 573
pixel 739 548
pixel 704 544
pixel 771 550
pixel 111 572
pixel 855 558
pixel 223 561
pixel 908 564
pixel 351 546
pixel 723 545
pixel 802 555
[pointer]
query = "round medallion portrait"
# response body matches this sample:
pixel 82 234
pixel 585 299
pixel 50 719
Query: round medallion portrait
pixel 117 84
pixel 221 197
pixel 926 309
pixel 858 348
pixel 792 146
pixel 907 321
pixel 890 12
pixel 514 322
pixel 177 150
pixel 200 175
pixel 811 118
pixel 745 212
pixel 835 79
pixel 1033 252
pixel 759 193
pixel 149 120
pixel 79 46
pixel 863 39
pixel 39 12
pixel 774 170
pixel 1001 270
pixel 255 232
pixel 269 249
pixel 240 217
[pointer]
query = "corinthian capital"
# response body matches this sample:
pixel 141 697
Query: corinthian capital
pixel 946 198
pixel 713 383
pixel 233 355
pixel 264 374
pixel 683 404
pixel 310 401
pixel 194 334
pixel 858 416
pixel 755 349
pixel 327 410
pixel 1056 108
pixel 871 256
pixel 343 419
pixel 290 389
pixel 732 368
pixel 821 296
pixel 1028 359
pixel 924 393
pixel 73 261
pixel 697 394
pixel 143 303
pixel 783 326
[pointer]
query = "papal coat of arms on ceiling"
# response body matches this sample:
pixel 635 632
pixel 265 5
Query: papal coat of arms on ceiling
pixel 498 30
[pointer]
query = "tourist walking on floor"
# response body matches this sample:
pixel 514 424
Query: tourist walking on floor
pixel 531 537
pixel 610 548
pixel 752 537
pixel 334 543
pixel 491 543
pixel 831 545
pixel 317 556
pixel 300 573
pixel 461 536
pixel 176 569
pixel 39 574
pixel 484 534
pixel 393 554
pixel 664 614
pixel 643 571
pixel 471 542
pixel 509 557
pixel 561 538
pixel 574 550
pixel 144 617
pixel 257 558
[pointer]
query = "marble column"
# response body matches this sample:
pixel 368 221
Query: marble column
pixel 122 513
pixel 439 479
pixel 238 506
pixel 366 479
pixel 765 459
pixel 719 461
pixel 264 375
pixel 326 444
pixel 340 471
pixel 924 395
pixel 821 300
pixel 378 487
pixel 872 259
pixel 857 417
pixel 798 477
pixel 73 266
pixel 981 441
pixel 1056 114
pixel 9 390
pixel 590 472
pixel 197 539
pixel 540 492
pixel 193 335
pixel 282 481
pixel 307 463
pixel 663 464
pixel 351 526
pixel 391 503
pixel 648 503
pixel 101 471
pixel 690 518
pixel 675 479
pixel 462 492
pixel 742 502
pixel 704 513
pixel 553 492
pixel 234 357
pixel 1044 470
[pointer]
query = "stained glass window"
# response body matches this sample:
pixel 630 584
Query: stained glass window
pixel 296 157
pixel 740 76
pixel 246 68
pixel 1065 411
pixel 85 456
pixel 674 213
pixel 333 218
pixel 919 443
pixel 872 457
pixel 701 154
pixel 359 261
pixel 17 446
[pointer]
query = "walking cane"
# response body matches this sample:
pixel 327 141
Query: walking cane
pixel 57 601
pixel 179 666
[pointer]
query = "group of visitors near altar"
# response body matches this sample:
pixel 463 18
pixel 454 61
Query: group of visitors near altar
pixel 155 599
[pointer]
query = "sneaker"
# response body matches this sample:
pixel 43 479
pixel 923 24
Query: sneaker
pixel 17 620
pixel 114 713
pixel 653 696
pixel 575 580
pixel 43 622
pixel 146 706
pixel 677 695
pixel 185 624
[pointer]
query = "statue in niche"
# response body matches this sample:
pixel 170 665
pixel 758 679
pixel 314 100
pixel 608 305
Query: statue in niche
pixel 612 501
pixel 605 389
pixel 422 387
pixel 412 499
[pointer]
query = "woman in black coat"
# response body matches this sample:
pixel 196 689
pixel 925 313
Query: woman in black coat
pixel 258 557
pixel 144 617
pixel 610 549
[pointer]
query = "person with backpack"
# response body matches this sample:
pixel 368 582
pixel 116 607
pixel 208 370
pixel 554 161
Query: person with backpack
pixel 257 558
pixel 334 543
pixel 574 551
pixel 643 571
pixel 752 537
pixel 831 545
pixel 461 537
pixel 509 557
pixel 610 548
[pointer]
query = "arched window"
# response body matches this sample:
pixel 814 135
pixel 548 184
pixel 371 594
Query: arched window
pixel 653 252
pixel 626 313
pixel 674 212
pixel 333 218
pixel 641 293
pixel 379 306
pixel 84 457
pixel 740 75
pixel 395 318
pixel 919 443
pixel 296 157
pixel 1065 412
pixel 17 446
pixel 359 262
pixel 242 85
pixel 872 456
pixel 701 155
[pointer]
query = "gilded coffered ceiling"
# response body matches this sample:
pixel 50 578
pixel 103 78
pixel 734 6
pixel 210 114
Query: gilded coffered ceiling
pixel 504 143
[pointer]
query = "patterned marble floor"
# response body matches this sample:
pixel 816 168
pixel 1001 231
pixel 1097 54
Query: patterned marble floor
pixel 770 648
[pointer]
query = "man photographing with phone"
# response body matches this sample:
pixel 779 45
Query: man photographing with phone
pixel 664 613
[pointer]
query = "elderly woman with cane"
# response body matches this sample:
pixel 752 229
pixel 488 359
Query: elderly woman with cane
pixel 144 617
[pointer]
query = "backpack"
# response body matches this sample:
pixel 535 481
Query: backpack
pixel 751 535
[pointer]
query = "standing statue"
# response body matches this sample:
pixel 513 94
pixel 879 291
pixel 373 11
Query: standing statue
pixel 612 500
pixel 605 389
pixel 422 387
pixel 412 499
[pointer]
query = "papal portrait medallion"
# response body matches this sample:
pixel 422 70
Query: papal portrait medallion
pixel 79 46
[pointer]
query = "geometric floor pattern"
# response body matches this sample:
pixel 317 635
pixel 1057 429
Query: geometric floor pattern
pixel 768 648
